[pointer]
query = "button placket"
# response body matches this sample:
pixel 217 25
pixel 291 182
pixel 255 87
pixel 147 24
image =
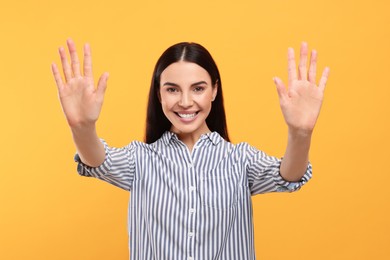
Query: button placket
pixel 191 209
pixel 192 200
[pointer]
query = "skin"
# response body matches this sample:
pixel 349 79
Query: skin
pixel 186 89
pixel 301 104
pixel 81 102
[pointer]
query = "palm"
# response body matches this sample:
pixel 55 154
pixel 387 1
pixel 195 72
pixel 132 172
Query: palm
pixel 301 102
pixel 80 101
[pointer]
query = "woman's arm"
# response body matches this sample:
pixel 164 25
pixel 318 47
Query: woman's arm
pixel 81 102
pixel 301 104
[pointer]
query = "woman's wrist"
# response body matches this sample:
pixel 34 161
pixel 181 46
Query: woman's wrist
pixel 299 134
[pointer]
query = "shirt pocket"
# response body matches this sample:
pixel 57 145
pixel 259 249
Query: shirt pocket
pixel 219 189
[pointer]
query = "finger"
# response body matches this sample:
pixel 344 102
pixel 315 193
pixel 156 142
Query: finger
pixel 313 67
pixel 324 79
pixel 292 72
pixel 281 89
pixel 87 61
pixel 65 65
pixel 302 68
pixel 102 84
pixel 57 76
pixel 74 58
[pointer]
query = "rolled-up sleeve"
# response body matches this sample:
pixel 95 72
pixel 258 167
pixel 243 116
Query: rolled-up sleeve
pixel 263 172
pixel 117 169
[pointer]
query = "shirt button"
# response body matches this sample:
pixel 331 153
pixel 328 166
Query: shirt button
pixel 190 165
pixel 190 234
pixel 190 258
pixel 192 188
pixel 192 210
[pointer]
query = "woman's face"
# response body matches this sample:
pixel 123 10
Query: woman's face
pixel 186 94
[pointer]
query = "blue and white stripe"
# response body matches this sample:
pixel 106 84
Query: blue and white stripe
pixel 191 205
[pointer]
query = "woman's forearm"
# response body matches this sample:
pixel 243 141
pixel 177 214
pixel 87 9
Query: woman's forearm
pixel 88 145
pixel 296 157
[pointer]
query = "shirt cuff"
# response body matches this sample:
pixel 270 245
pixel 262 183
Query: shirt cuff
pixel 88 171
pixel 287 186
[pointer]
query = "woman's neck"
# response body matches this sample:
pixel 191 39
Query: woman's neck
pixel 190 139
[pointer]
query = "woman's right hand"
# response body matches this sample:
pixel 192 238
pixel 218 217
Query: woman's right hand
pixel 80 100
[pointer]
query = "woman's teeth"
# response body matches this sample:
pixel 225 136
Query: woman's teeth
pixel 186 115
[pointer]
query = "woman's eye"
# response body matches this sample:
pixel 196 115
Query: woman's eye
pixel 172 90
pixel 198 89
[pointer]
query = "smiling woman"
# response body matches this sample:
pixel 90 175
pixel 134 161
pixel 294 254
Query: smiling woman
pixel 192 64
pixel 191 188
pixel 187 102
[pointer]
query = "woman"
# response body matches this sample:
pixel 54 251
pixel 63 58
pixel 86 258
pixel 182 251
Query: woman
pixel 190 187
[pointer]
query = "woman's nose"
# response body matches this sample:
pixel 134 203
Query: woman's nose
pixel 186 100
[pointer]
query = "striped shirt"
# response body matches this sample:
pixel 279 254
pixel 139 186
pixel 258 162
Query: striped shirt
pixel 191 205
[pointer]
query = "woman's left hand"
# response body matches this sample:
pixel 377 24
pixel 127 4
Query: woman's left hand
pixel 301 101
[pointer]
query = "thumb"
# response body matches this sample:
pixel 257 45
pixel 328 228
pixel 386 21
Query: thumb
pixel 102 83
pixel 281 89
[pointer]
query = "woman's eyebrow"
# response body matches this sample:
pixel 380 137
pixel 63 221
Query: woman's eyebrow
pixel 170 84
pixel 198 83
pixel 192 85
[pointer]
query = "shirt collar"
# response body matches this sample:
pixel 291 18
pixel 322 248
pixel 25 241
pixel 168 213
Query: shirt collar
pixel 213 137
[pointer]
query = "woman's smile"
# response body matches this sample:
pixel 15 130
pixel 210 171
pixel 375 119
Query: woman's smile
pixel 187 117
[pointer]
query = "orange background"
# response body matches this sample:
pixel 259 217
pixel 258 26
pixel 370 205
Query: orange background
pixel 48 212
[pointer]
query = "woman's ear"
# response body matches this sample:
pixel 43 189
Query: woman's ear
pixel 215 90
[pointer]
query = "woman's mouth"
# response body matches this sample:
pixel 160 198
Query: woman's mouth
pixel 192 115
pixel 187 117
